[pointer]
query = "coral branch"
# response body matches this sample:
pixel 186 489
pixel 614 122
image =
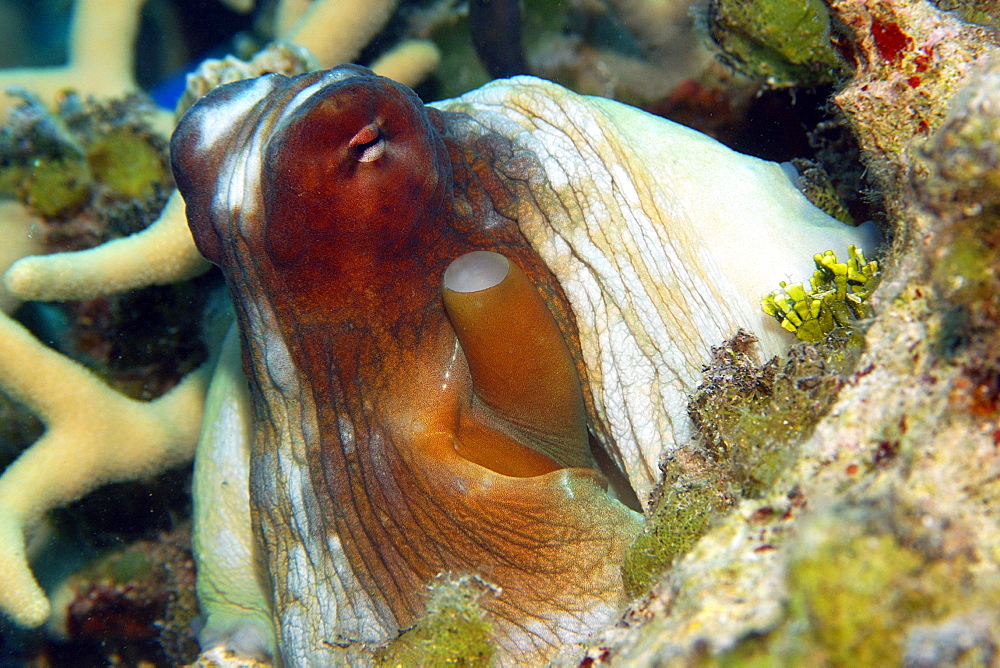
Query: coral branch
pixel 102 35
pixel 356 23
pixel 94 436
pixel 162 253
pixel 408 62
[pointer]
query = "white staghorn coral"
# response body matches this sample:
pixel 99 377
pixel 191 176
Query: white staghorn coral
pixel 102 35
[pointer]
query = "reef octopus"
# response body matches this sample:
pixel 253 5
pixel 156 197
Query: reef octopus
pixel 457 323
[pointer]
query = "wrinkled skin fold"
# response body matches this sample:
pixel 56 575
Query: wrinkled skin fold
pixel 384 452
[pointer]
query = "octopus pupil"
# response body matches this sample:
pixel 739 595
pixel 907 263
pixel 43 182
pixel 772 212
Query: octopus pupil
pixel 368 144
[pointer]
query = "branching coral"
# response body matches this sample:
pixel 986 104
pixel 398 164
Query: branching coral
pixel 103 35
pixel 162 253
pixel 100 57
pixel 93 436
pixel 166 253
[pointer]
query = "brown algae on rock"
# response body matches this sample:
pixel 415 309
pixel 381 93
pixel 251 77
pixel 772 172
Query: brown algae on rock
pixel 818 187
pixel 135 602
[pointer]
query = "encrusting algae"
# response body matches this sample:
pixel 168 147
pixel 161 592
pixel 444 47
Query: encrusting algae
pixel 783 42
pixel 454 631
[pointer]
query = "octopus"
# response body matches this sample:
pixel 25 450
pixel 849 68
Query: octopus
pixel 428 367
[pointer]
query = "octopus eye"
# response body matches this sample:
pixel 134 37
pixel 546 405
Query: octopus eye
pixel 368 144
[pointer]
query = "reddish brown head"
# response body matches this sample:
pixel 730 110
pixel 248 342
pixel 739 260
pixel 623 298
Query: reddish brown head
pixel 353 171
pixel 342 165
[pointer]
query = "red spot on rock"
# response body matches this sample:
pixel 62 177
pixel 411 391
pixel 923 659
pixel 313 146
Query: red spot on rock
pixel 981 387
pixel 921 62
pixel 914 81
pixel 797 498
pixel 114 612
pixel 764 548
pixel 890 40
pixel 852 469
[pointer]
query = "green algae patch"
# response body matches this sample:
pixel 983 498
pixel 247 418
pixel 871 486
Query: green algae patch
pixel 865 599
pixel 836 296
pixel 128 565
pixel 55 188
pixel 454 632
pixel 127 163
pixel 784 42
pixel 95 169
pixel 680 516
pixel 857 596
pixel 749 419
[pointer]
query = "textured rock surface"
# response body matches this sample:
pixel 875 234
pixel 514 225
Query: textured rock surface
pixel 880 543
